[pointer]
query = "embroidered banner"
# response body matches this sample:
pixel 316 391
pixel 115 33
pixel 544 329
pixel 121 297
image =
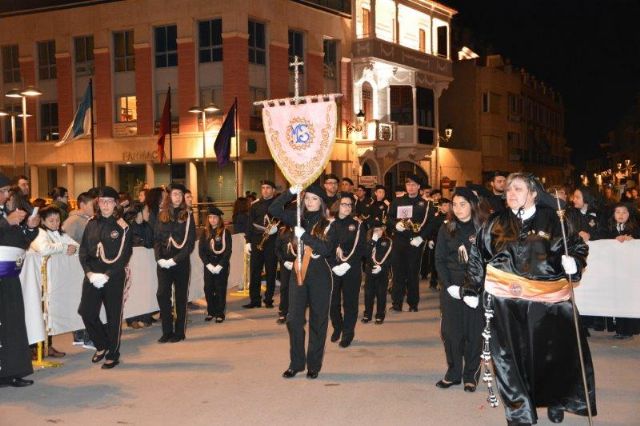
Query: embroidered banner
pixel 300 138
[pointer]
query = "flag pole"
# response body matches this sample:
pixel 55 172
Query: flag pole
pixel 170 138
pixel 237 148
pixel 93 138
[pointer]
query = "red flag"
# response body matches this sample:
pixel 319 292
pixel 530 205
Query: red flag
pixel 165 125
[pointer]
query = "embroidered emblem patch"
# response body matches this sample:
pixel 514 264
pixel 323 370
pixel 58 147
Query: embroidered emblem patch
pixel 421 203
pixel 515 289
pixel 218 238
pixel 114 234
pixel 383 243
pixel 352 227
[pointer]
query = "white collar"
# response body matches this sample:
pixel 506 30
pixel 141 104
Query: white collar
pixel 584 209
pixel 526 213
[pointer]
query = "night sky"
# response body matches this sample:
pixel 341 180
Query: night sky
pixel 588 50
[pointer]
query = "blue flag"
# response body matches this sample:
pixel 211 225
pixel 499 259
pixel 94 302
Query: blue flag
pixel 81 124
pixel 222 145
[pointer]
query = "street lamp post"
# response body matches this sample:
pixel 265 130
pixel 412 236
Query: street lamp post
pixel 448 133
pixel 203 113
pixel 13 137
pixel 31 92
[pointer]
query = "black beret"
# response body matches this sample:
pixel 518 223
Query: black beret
pixel 348 195
pixel 179 187
pixel 268 182
pixel 4 180
pixel 214 210
pixel 108 192
pixel 380 187
pixel 316 190
pixel 445 201
pixel 414 178
pixel 346 179
pixel 331 176
pixel 364 188
pixel 465 192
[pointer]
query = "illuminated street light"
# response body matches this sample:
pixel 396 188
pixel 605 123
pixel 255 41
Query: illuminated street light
pixel 203 113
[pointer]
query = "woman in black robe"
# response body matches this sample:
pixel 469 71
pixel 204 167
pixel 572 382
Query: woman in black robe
pixel 518 260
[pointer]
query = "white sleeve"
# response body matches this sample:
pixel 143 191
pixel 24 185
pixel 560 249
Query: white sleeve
pixel 43 246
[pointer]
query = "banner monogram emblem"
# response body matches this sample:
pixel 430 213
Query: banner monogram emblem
pixel 299 133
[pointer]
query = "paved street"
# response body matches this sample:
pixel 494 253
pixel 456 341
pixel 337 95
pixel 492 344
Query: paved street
pixel 229 374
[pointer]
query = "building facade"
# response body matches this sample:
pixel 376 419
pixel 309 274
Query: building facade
pixel 389 58
pixel 515 120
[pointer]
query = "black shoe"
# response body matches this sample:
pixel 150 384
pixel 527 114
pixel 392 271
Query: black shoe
pixel 219 320
pixel 251 305
pixel 365 320
pixel 442 384
pixel 110 365
pixel 344 343
pixel 18 382
pixel 379 321
pixel 98 357
pixel 335 336
pixel 556 415
pixel 176 338
pixel 413 309
pixel 290 373
pixel 396 308
pixel 282 319
pixel 208 318
pixel 165 338
pixel 311 374
pixel 268 305
pixel 469 387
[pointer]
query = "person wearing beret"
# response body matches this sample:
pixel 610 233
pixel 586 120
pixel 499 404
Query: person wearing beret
pixel 260 243
pixel 330 184
pixel 377 268
pixel 379 207
pixel 309 286
pixel 104 253
pixel 17 231
pixel 346 185
pixel 215 252
pixel 174 240
pixel 408 216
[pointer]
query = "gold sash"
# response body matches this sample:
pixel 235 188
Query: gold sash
pixel 505 284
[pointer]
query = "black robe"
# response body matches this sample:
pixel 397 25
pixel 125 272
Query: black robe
pixel 533 344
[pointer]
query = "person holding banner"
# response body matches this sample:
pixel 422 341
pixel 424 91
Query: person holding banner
pixel 104 253
pixel 174 240
pixel 17 231
pixel 310 285
pixel 519 261
pixel 215 252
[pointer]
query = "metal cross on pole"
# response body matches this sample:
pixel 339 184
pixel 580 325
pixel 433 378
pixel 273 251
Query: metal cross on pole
pixel 296 64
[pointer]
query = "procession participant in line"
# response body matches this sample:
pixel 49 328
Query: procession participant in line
pixel 585 215
pixel 17 231
pixel 346 185
pixel 104 253
pixel 428 267
pixel 51 240
pixel 215 252
pixel 331 189
pixel 286 257
pixel 496 199
pixel 362 204
pixel 622 227
pixel 347 275
pixel 378 266
pixel 314 290
pixel 461 325
pixel 519 261
pixel 379 207
pixel 174 240
pixel 408 215
pixel 260 242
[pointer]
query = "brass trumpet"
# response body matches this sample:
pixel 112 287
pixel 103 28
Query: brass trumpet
pixel 408 224
pixel 266 234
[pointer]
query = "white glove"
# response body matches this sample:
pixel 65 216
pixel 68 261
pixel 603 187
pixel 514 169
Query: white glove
pixel 295 189
pixel 99 280
pixel 247 248
pixel 376 269
pixel 341 269
pixel 169 263
pixel 162 263
pixel 288 264
pixel 211 268
pixel 432 244
pixel 217 269
pixel 416 241
pixel 273 230
pixel 471 301
pixel 569 265
pixel 375 236
pixel 400 227
pixel 298 231
pixel 454 291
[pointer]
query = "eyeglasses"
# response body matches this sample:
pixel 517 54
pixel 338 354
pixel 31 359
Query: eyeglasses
pixel 346 205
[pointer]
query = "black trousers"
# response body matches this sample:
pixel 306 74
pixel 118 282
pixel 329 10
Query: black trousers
pixel 285 276
pixel 316 294
pixel 346 291
pixel 215 291
pixel 112 297
pixel 461 330
pixel 15 355
pixel 175 277
pixel 405 262
pixel 262 259
pixel 375 289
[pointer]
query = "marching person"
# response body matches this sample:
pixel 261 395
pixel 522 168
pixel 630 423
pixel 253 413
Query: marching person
pixel 377 269
pixel 519 261
pixel 584 215
pixel 347 273
pixel 174 240
pixel 17 231
pixel 310 285
pixel 346 185
pixel 331 189
pixel 286 257
pixel 215 252
pixel 461 325
pixel 104 253
pixel 379 207
pixel 261 243
pixel 362 204
pixel 428 267
pixel 408 215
